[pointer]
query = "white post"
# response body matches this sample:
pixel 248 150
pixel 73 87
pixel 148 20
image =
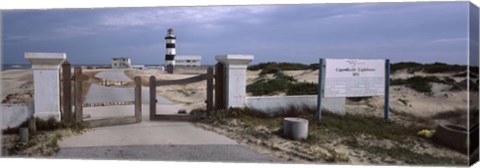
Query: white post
pixel 46 83
pixel 235 78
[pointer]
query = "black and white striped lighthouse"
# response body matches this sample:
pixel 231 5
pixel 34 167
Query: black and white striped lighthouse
pixel 170 52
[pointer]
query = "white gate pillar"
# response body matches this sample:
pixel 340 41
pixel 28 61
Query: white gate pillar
pixel 46 83
pixel 235 78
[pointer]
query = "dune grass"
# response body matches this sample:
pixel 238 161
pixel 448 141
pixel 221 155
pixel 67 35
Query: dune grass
pixel 347 128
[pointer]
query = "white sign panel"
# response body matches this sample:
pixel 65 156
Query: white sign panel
pixel 354 78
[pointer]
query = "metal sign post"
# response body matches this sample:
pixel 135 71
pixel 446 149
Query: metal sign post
pixel 320 90
pixel 387 89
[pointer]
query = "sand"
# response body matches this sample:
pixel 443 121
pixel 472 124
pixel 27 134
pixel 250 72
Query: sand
pixel 17 86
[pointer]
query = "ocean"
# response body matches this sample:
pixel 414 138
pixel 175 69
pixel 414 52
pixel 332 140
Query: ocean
pixel 15 66
pixel 28 66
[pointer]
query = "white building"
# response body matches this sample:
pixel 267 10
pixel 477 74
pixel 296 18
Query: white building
pixel 121 63
pixel 188 60
pixel 139 67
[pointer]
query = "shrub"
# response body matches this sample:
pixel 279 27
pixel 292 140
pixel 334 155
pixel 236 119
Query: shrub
pixel 462 74
pixel 270 86
pixel 410 66
pixel 449 81
pixel 270 70
pixel 303 88
pixel 394 82
pixel 260 66
pixel 456 87
pixel 47 125
pixel 357 99
pixel 442 68
pixel 417 83
pixel 281 66
pixel 314 66
pixel 436 67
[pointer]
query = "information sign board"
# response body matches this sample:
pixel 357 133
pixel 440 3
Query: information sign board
pixel 354 78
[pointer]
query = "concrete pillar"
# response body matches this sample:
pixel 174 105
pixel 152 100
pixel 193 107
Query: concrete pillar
pixel 46 83
pixel 235 78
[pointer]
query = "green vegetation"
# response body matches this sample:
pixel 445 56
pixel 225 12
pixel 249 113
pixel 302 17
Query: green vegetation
pixel 270 86
pixel 302 88
pixel 357 132
pixel 410 67
pixel 281 84
pixel 274 67
pixel 357 99
pixel 420 84
pixel 436 67
pixel 43 142
pixel 282 66
pixel 402 153
pixel 47 125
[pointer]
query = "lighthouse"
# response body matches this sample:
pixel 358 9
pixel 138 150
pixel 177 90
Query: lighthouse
pixel 170 51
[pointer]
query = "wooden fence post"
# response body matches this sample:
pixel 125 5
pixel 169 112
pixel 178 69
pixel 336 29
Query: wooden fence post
pixel 219 86
pixel 209 89
pixel 78 95
pixel 138 98
pixel 67 92
pixel 153 97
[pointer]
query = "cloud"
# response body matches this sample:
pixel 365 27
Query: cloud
pixel 172 15
pixel 450 40
pixel 14 38
pixel 301 33
pixel 74 31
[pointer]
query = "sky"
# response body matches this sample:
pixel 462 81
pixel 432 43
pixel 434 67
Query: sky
pixel 423 32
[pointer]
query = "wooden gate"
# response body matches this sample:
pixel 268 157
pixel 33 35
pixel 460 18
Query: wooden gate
pixel 154 83
pixel 79 81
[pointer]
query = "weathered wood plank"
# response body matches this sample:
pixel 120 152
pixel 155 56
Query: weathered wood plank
pixel 153 97
pixel 111 121
pixel 219 86
pixel 209 89
pixel 174 117
pixel 78 95
pixel 182 81
pixel 67 92
pixel 138 98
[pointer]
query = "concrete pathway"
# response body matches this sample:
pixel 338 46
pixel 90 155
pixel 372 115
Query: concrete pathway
pixel 113 74
pixel 215 153
pixel 151 140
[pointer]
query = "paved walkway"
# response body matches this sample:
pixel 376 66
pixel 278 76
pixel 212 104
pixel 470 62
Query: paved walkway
pixel 151 140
